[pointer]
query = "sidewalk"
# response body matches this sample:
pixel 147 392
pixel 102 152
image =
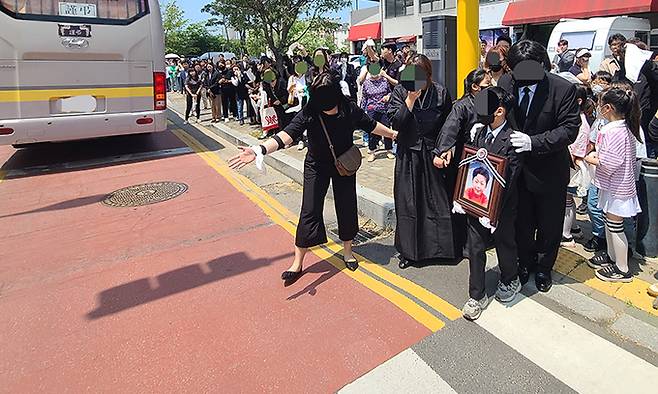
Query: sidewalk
pixel 375 189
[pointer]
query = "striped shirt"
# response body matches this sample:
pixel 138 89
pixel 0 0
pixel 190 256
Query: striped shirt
pixel 616 151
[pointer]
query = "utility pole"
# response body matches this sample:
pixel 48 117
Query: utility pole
pixel 468 40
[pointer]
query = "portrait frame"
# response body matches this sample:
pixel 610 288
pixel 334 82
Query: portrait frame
pixel 479 157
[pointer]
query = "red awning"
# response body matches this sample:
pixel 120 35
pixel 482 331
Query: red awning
pixel 539 11
pixel 406 39
pixel 363 32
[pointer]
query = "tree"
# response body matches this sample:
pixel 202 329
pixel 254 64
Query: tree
pixel 276 20
pixel 173 23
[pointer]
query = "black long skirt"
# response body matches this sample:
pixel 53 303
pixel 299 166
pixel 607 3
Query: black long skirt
pixel 423 208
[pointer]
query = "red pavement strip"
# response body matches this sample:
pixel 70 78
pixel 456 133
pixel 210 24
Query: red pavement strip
pixel 183 295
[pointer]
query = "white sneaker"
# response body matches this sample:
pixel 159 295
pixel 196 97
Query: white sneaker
pixel 371 157
pixel 473 308
pixel 225 120
pixel 300 145
pixel 186 122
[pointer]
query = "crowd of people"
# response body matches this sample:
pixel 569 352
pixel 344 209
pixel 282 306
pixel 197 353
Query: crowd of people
pixel 563 137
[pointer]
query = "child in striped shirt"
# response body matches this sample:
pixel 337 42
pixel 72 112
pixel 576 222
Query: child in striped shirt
pixel 615 177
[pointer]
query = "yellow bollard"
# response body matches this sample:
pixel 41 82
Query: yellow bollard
pixel 468 40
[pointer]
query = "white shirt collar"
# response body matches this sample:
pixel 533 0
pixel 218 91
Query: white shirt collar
pixel 531 87
pixel 496 131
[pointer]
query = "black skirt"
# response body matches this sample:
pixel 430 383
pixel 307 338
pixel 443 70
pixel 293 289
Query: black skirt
pixel 423 206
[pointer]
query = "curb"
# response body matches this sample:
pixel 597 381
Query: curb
pixel 372 204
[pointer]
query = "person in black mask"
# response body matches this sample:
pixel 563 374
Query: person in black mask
pixel 330 119
pixel 548 120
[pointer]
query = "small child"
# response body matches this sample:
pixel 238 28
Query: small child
pixel 493 105
pixel 579 174
pixel 615 161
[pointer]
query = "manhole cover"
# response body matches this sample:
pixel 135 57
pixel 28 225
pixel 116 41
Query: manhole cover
pixel 148 193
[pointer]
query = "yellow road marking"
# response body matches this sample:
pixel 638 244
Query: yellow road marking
pixel 255 194
pixel 13 96
pixel 422 294
pixel 3 174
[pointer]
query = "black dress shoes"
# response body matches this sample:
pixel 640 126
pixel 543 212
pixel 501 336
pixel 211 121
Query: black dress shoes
pixel 543 281
pixel 404 263
pixel 290 277
pixel 524 275
pixel 351 265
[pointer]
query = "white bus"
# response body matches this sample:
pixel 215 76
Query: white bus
pixel 78 69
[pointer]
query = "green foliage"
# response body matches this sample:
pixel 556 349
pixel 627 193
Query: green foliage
pixel 276 24
pixel 184 38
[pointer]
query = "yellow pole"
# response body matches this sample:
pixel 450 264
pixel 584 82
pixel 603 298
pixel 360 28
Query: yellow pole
pixel 468 40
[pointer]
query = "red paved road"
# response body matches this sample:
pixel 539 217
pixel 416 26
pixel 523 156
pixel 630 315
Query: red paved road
pixel 183 295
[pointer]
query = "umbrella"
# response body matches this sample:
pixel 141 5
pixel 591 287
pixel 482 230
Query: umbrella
pixel 172 56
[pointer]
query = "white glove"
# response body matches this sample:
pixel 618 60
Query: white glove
pixel 260 159
pixel 486 223
pixel 521 142
pixel 457 208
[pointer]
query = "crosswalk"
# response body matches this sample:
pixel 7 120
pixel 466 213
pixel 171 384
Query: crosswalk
pixel 579 358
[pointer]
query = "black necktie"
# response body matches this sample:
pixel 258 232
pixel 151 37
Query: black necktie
pixel 489 139
pixel 523 108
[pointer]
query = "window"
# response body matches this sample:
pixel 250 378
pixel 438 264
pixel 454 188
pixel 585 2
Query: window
pixel 580 39
pixel 396 8
pixel 431 5
pixel 91 11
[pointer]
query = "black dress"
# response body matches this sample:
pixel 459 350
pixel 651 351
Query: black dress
pixel 319 169
pixel 423 204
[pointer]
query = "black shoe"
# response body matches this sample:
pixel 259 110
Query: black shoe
pixel 582 208
pixel 242 123
pixel 595 244
pixel 600 260
pixel 543 281
pixel 351 265
pixel 291 276
pixel 524 275
pixel 612 274
pixel 404 263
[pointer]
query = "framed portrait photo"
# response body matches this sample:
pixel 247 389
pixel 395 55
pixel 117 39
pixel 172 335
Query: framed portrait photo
pixel 480 183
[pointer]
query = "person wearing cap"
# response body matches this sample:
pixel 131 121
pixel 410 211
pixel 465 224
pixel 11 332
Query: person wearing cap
pixel 390 64
pixel 580 68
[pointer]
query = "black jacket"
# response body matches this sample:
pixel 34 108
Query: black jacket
pixel 503 147
pixel 212 82
pixel 456 130
pixel 552 123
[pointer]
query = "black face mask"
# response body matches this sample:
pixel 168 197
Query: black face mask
pixel 326 99
pixel 485 119
pixel 496 67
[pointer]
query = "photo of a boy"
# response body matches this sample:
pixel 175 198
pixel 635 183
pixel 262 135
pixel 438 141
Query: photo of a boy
pixel 478 192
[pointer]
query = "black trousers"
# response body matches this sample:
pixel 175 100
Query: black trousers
pixel 479 240
pixel 539 226
pixel 373 140
pixel 311 230
pixel 188 108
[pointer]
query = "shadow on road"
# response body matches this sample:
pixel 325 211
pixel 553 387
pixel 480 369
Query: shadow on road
pixel 75 203
pixel 326 269
pixel 145 290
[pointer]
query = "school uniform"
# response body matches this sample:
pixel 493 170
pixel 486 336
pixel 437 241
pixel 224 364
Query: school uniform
pixel 504 238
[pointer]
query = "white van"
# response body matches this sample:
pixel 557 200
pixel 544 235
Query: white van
pixel 593 34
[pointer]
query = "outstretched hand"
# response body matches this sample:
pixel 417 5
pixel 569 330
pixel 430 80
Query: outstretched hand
pixel 245 157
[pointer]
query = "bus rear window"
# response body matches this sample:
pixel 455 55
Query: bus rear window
pixel 101 10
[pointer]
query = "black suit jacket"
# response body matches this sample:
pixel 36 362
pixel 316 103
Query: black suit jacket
pixel 552 123
pixel 503 147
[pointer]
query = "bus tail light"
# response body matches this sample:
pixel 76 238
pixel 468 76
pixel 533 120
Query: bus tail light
pixel 6 131
pixel 144 120
pixel 160 91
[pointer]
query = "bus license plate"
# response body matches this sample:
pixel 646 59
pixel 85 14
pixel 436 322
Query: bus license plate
pixel 75 9
pixel 75 30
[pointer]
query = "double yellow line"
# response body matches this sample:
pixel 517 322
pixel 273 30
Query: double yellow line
pixel 286 219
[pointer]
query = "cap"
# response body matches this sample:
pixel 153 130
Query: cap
pixel 583 52
pixel 370 42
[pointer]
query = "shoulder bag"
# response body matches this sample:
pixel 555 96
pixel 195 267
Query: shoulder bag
pixel 349 162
